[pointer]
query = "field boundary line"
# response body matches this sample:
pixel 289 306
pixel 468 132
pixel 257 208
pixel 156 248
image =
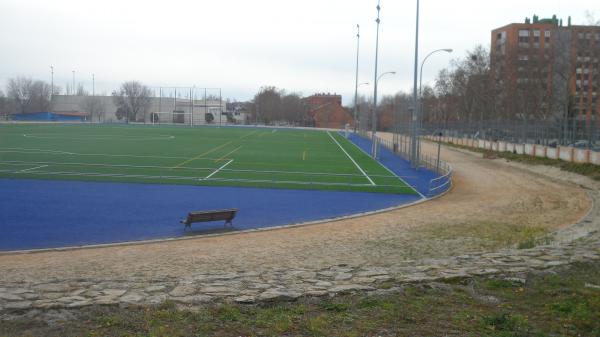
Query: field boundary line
pixel 31 169
pixel 392 172
pixel 201 155
pixel 355 163
pixel 219 169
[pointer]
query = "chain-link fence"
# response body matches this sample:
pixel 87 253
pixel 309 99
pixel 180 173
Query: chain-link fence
pixel 569 132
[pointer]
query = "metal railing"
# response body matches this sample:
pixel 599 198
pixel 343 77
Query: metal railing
pixel 400 146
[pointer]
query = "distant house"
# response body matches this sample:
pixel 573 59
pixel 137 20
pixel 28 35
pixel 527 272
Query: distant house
pixel 326 111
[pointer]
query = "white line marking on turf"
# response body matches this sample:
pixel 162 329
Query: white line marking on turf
pixel 143 176
pixel 33 151
pixel 325 174
pixel 360 168
pixel 31 169
pixel 390 171
pixel 219 169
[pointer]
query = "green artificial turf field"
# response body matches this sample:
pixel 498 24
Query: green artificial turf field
pixel 232 156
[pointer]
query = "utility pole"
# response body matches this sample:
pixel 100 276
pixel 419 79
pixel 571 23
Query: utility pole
pixel 414 155
pixel 356 80
pixel 374 121
pixel 51 82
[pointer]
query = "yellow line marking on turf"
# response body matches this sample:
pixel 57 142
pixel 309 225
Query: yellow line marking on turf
pixel 201 155
pixel 304 155
pixel 225 156
pixel 249 134
pixel 212 150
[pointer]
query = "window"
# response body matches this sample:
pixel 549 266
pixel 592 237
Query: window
pixel 523 37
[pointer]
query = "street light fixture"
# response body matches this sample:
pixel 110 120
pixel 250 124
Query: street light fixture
pixel 420 102
pixel 374 127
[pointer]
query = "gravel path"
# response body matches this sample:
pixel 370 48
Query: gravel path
pixel 467 232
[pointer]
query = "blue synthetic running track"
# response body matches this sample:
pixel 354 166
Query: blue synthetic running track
pixel 53 213
pixel 37 214
pixel 419 179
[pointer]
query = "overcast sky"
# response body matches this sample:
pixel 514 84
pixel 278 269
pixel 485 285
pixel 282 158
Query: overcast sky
pixel 303 46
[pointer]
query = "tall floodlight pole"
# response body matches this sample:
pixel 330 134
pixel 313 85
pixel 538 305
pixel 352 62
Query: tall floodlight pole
pixel 93 85
pixel 420 106
pixel 374 119
pixel 356 80
pixel 374 149
pixel 74 82
pixel 51 83
pixel 358 113
pixel 414 156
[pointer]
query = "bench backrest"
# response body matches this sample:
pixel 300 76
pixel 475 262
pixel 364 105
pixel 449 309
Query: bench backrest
pixel 224 214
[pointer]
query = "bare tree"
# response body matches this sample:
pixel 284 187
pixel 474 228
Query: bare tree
pixel 3 104
pixel 81 90
pixel 29 95
pixel 294 110
pixel 466 88
pixel 590 18
pixel 267 104
pixel 95 106
pixel 132 100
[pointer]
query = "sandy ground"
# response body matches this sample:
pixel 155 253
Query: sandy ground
pixel 490 200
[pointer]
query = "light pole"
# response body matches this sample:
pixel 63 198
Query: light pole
pixel 374 121
pixel 414 158
pixel 93 85
pixel 356 80
pixel 420 105
pixel 73 82
pixel 357 108
pixel 51 83
pixel 374 128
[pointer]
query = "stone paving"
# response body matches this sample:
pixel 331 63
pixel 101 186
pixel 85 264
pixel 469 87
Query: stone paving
pixel 580 242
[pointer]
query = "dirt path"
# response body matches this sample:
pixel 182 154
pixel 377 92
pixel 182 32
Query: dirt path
pixel 492 204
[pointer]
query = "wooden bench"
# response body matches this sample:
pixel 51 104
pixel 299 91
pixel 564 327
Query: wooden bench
pixel 206 216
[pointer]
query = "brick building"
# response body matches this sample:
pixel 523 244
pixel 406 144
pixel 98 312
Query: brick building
pixel 549 68
pixel 327 112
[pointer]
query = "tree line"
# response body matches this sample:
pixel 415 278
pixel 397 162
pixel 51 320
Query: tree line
pixel 26 95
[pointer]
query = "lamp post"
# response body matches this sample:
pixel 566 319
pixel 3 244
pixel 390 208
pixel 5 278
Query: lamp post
pixel 73 82
pixel 414 160
pixel 51 83
pixel 420 105
pixel 356 80
pixel 357 122
pixel 93 85
pixel 374 128
pixel 374 121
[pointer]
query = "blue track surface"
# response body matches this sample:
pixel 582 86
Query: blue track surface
pixel 52 213
pixel 418 179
